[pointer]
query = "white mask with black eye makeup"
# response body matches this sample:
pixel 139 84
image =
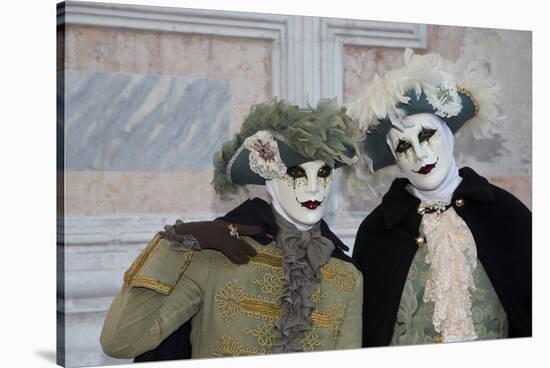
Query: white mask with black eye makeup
pixel 302 194
pixel 421 151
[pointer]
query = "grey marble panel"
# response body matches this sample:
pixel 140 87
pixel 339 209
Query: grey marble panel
pixel 143 122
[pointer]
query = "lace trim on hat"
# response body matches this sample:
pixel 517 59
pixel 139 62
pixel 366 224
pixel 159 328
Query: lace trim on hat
pixel 231 162
pixel 264 158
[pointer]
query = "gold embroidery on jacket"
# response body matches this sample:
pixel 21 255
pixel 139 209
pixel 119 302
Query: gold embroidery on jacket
pixel 141 260
pixel 188 256
pixel 233 302
pixel 229 300
pixel 266 258
pixel 317 296
pixel 130 278
pixel 265 334
pixel 151 284
pixel 336 272
pixel 339 274
pixel 230 266
pixel 311 340
pixel 261 308
pixel 231 346
pixel 270 284
pixel 331 319
pixel 272 251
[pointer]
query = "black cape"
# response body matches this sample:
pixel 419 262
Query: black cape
pixel 385 247
pixel 251 212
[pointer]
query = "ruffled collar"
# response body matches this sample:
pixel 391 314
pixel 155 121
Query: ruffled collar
pixel 304 253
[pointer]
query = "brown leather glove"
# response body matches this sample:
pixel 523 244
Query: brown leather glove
pixel 215 235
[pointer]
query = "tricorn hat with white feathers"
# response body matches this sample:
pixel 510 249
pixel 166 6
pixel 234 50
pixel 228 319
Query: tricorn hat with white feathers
pixel 459 92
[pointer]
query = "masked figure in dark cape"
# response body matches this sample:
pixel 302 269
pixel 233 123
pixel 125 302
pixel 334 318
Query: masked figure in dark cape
pixel 266 277
pixel 446 256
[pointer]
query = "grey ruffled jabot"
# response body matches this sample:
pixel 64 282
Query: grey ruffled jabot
pixel 304 252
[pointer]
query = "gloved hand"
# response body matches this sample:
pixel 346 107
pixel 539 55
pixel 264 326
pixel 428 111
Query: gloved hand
pixel 217 235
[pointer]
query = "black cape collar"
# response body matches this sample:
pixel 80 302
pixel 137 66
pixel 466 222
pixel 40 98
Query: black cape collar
pixel 398 203
pixel 256 211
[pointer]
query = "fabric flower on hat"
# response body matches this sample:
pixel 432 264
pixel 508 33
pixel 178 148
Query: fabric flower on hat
pixel 444 98
pixel 264 155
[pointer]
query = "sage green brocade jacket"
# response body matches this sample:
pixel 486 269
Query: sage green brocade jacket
pixel 233 308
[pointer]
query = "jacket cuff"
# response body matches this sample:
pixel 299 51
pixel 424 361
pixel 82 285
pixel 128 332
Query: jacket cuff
pixel 158 267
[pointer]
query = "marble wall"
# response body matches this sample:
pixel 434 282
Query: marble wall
pixel 219 77
pixel 236 62
pixel 246 63
pixel 143 122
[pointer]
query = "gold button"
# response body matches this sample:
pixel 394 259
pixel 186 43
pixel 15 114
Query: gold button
pixel 420 240
pixel 421 210
pixel 459 202
pixel 439 339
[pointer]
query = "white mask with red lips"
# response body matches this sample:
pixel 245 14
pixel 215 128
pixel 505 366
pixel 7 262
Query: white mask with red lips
pixel 301 195
pixel 423 150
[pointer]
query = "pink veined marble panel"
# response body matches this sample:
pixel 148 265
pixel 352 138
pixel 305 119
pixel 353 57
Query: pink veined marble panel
pixel 245 62
pixel 93 193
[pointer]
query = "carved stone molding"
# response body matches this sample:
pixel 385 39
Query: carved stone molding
pixel 306 54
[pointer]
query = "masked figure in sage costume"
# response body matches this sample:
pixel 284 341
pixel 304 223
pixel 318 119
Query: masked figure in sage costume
pixel 297 292
pixel 446 256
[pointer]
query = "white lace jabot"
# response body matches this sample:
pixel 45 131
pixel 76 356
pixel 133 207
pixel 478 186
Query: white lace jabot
pixel 452 255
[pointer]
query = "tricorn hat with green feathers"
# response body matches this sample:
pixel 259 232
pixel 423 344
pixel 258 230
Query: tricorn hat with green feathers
pixel 277 135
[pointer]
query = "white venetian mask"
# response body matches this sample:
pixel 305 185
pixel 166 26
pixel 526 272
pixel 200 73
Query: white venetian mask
pixel 421 151
pixel 303 192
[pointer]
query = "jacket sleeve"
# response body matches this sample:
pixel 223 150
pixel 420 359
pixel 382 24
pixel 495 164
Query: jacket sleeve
pixel 161 291
pixel 351 330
